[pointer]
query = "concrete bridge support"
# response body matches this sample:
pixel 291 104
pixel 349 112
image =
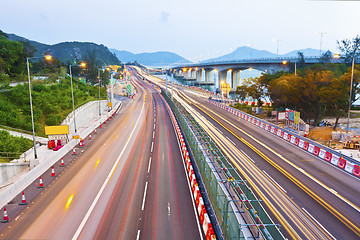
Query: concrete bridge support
pixel 235 78
pixel 199 74
pixel 208 75
pixel 222 77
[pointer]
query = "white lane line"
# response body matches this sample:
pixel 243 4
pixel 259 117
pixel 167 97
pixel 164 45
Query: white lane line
pixel 247 156
pixel 154 125
pixel 153 134
pixel 219 130
pixel 138 235
pixel 87 215
pixel 143 202
pixel 152 146
pixel 274 181
pixel 230 140
pixel 318 223
pixel 149 165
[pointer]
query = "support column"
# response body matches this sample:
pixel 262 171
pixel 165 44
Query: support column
pixel 222 76
pixel 208 75
pixel 199 75
pixel 235 78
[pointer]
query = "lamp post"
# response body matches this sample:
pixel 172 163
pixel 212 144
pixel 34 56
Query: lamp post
pixel 99 91
pixel 72 92
pixel 350 95
pixel 48 58
pixel 321 36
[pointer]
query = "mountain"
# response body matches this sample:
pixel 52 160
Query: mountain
pixel 243 53
pixel 308 52
pixel 69 51
pixel 251 53
pixel 150 59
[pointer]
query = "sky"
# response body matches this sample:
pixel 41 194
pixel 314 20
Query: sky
pixel 194 29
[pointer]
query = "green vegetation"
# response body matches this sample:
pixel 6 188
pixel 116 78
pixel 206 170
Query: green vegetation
pixel 12 147
pixel 51 103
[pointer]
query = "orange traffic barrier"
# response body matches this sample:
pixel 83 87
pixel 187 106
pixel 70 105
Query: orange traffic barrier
pixel 316 151
pixel 328 156
pixel 356 171
pixel 306 146
pixel 341 163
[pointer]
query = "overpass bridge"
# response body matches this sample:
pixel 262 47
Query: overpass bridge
pixel 229 71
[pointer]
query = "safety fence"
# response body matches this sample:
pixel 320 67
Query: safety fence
pixel 239 213
pixel 337 159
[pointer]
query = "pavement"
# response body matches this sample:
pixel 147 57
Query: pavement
pixel 128 182
pixel 309 197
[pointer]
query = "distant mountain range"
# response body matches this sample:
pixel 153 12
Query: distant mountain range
pixel 69 51
pixel 150 59
pixel 251 53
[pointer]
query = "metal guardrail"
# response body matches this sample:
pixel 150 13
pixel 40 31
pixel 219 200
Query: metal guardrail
pixel 241 196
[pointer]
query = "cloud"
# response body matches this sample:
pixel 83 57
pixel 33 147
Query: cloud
pixel 164 16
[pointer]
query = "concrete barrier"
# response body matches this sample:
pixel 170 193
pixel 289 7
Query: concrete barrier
pixel 14 189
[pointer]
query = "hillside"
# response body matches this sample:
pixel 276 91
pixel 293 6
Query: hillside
pixel 150 59
pixel 252 53
pixel 69 51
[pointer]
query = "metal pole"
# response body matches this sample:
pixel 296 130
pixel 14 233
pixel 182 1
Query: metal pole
pixel 112 89
pixel 295 68
pixel 172 88
pixel 350 95
pixel 99 92
pixel 72 97
pixel 166 84
pixel 31 109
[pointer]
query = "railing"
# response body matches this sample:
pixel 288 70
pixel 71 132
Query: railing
pixel 230 195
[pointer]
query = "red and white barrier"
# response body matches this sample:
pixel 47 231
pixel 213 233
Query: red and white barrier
pixel 311 148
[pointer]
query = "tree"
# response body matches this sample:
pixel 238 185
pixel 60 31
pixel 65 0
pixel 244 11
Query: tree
pixel 350 49
pixel 92 66
pixel 326 57
pixel 301 60
pixel 253 88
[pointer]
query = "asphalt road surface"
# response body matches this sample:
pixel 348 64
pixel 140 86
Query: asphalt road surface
pixel 129 183
pixel 309 197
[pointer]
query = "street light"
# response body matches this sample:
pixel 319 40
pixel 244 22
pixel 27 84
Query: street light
pixel 107 69
pixel 48 58
pixel 72 92
pixel 350 95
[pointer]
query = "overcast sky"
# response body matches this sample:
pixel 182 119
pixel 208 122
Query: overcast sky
pixel 195 29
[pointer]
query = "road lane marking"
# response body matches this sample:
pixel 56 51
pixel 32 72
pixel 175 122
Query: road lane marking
pixel 154 125
pixel 149 165
pixel 143 202
pixel 247 156
pixel 152 146
pixel 313 218
pixel 219 131
pixel 230 140
pixel 275 182
pixel 138 235
pixel 153 134
pixel 87 215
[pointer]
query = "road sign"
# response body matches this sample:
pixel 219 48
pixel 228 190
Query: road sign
pixel 128 88
pixel 225 88
pixel 57 130
pixel 109 104
pixel 76 137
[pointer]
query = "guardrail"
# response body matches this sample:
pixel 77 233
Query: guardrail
pixel 341 161
pixel 232 199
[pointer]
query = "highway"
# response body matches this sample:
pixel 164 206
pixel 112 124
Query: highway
pixel 309 197
pixel 129 183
